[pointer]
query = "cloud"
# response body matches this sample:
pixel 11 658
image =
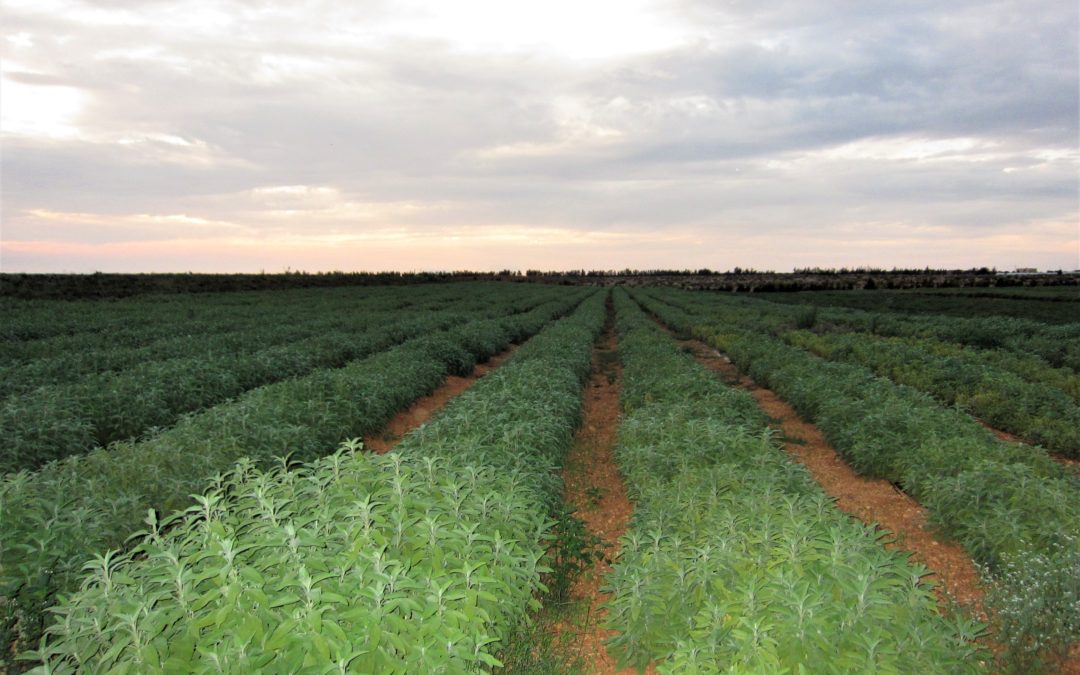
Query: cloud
pixel 663 126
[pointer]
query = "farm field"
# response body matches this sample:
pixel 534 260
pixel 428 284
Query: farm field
pixel 1010 505
pixel 1049 304
pixel 186 489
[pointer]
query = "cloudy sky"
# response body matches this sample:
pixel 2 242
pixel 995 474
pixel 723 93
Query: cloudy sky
pixel 247 135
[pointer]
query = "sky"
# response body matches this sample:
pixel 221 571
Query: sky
pixel 252 135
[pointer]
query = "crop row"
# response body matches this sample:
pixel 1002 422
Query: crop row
pixel 106 325
pixel 71 365
pixel 735 560
pixel 1058 346
pixel 1036 411
pixel 252 327
pixel 1045 305
pixel 1011 507
pixel 1057 293
pixel 422 560
pixel 1019 393
pixel 1025 366
pixel 52 521
pixel 53 422
pixel 37 328
pixel 30 320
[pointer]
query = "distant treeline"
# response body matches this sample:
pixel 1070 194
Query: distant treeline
pixel 739 280
pixel 706 272
pixel 913 271
pixel 102 285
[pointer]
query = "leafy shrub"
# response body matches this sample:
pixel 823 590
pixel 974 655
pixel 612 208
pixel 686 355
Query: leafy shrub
pixel 1035 598
pixel 807 317
pixel 574 550
pixel 358 562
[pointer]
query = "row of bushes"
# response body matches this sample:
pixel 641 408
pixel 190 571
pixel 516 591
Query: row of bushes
pixel 1033 351
pixel 37 328
pixel 1058 345
pixel 206 328
pixel 1049 305
pixel 422 560
pixel 43 329
pixel 54 422
pixel 1011 507
pixel 735 560
pixel 1036 411
pixel 1019 392
pixel 51 522
pixel 1027 367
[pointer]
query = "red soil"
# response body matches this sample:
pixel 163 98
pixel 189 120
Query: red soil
pixel 595 489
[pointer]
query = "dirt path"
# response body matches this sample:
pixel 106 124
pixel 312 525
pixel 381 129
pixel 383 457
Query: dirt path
pixel 872 501
pixel 419 412
pixel 594 488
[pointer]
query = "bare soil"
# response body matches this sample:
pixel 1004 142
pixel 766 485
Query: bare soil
pixel 594 488
pixel 421 411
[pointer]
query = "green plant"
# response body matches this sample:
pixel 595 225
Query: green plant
pixel 415 561
pixel 1035 600
pixel 52 522
pixel 807 317
pixel 54 421
pixel 594 493
pixel 573 551
pixel 1038 411
pixel 999 500
pixel 735 561
pixel 537 647
pixel 357 562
